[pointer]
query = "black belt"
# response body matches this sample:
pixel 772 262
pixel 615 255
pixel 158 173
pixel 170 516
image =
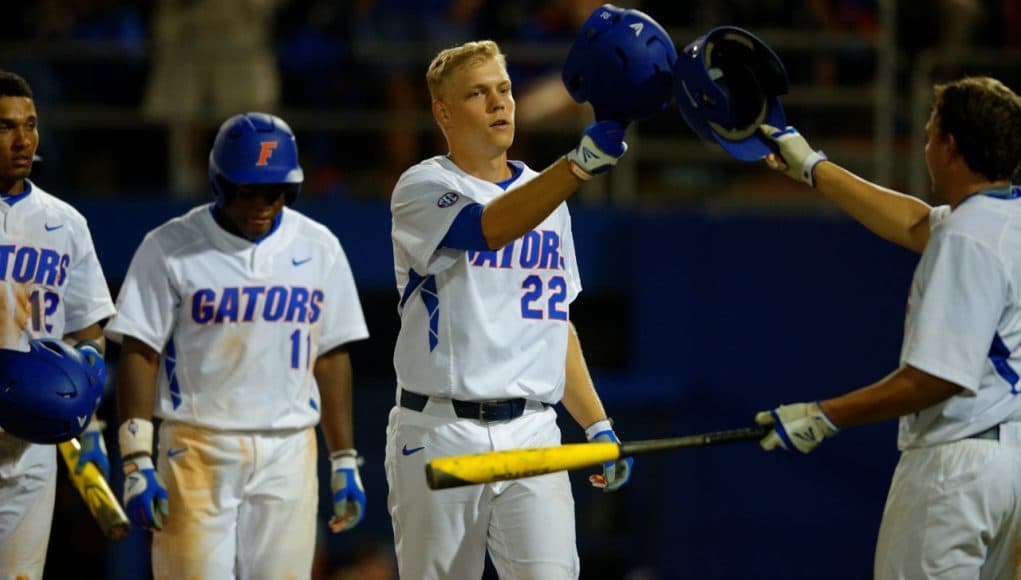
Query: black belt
pixel 484 411
pixel 990 433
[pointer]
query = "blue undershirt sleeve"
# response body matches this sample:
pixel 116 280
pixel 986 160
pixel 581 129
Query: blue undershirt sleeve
pixel 466 231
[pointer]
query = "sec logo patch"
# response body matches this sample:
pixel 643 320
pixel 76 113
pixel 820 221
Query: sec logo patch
pixel 448 199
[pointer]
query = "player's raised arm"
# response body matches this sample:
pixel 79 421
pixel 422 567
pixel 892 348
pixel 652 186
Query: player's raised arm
pixel 899 218
pixel 517 212
pixel 727 87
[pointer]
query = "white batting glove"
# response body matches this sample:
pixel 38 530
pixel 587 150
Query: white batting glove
pixel 145 495
pixel 801 426
pixel 615 473
pixel 348 493
pixel 602 145
pixel 796 158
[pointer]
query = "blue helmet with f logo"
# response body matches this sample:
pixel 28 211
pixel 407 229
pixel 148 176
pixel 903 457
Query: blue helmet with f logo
pixel 254 148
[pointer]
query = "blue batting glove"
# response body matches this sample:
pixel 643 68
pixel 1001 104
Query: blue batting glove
pixel 145 496
pixel 615 473
pixel 90 351
pixel 348 493
pixel 602 145
pixel 93 449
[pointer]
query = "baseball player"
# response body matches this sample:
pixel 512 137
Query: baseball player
pixel 486 272
pixel 234 319
pixel 952 510
pixel 52 286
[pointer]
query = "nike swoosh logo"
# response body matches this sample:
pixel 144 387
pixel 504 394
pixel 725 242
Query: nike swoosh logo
pixel 50 228
pixel 407 451
pixel 176 452
pixel 299 262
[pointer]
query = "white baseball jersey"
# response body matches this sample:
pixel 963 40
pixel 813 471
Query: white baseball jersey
pixel 478 325
pixel 239 324
pixel 52 285
pixel 49 267
pixel 964 318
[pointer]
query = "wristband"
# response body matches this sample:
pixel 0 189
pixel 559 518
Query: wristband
pixel 808 167
pixel 345 458
pixel 135 437
pixel 598 427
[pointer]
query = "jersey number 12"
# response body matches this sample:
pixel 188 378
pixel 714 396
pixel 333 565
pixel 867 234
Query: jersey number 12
pixel 44 305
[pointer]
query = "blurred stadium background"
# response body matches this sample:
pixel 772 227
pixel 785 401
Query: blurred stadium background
pixel 713 289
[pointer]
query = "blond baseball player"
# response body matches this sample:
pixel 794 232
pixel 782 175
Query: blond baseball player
pixel 952 510
pixel 234 318
pixel 486 272
pixel 52 286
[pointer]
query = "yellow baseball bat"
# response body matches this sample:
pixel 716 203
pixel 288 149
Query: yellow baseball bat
pixel 96 492
pixel 460 470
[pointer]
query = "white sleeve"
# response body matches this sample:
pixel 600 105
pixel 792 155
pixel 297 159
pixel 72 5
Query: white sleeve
pixel 423 210
pixel 937 215
pixel 961 296
pixel 570 261
pixel 148 303
pixel 87 297
pixel 343 320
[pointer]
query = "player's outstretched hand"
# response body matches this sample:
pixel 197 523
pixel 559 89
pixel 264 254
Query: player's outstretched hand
pixel 348 493
pixel 602 145
pixel 93 448
pixel 615 473
pixel 801 426
pixel 97 367
pixel 796 157
pixel 145 496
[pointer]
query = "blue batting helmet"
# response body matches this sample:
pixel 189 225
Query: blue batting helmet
pixel 622 62
pixel 726 84
pixel 48 394
pixel 254 148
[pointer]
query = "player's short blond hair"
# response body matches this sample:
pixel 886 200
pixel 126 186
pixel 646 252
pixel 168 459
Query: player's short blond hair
pixel 451 59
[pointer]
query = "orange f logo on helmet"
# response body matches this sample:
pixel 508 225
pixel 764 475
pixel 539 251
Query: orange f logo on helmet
pixel 265 153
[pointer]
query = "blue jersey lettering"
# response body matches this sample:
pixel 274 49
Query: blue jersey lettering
pixel 537 250
pixel 272 304
pixel 529 250
pixel 316 305
pixel 252 294
pixel 228 309
pixel 276 302
pixel 47 272
pixel 202 305
pixel 550 250
pixel 296 308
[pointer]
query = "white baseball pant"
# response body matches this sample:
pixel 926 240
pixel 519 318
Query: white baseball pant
pixel 28 482
pixel 242 505
pixel 526 524
pixel 954 512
